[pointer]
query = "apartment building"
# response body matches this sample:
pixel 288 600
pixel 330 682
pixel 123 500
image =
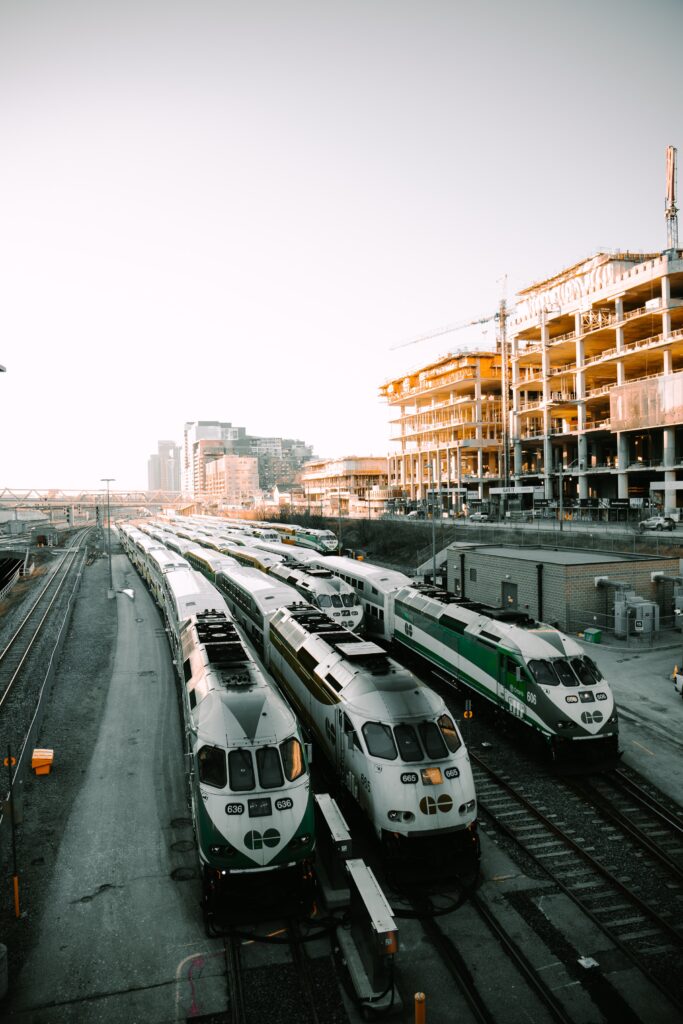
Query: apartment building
pixel 597 381
pixel 448 428
pixel 355 486
pixel 232 479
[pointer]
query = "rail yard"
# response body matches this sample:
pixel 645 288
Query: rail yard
pixel 572 914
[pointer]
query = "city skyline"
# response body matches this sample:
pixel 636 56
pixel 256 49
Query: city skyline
pixel 241 212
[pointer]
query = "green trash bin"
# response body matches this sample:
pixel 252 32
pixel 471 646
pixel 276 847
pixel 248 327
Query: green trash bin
pixel 593 636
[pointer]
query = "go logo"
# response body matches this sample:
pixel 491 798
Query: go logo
pixel 256 841
pixel 589 717
pixel 428 805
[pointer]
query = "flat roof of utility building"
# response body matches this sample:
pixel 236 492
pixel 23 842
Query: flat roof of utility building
pixel 563 556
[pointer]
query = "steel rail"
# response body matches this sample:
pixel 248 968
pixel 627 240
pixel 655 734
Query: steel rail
pixel 644 909
pixel 53 593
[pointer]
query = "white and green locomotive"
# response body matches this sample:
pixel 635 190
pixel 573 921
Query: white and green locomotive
pixel 527 669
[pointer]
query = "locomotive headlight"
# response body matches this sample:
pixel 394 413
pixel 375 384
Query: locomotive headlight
pixel 303 840
pixel 400 816
pixel 221 850
pixel 572 699
pixel 431 777
pixel 564 723
pixel 469 806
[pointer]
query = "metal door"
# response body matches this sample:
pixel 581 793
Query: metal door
pixel 508 596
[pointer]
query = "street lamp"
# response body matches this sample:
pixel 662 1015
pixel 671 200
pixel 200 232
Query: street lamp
pixel 107 480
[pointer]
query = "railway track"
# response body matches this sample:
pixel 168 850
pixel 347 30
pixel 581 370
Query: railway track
pixel 272 976
pixel 608 871
pixel 26 656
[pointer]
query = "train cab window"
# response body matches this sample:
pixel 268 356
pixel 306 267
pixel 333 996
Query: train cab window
pixel 292 759
pixel 564 671
pixel 241 771
pixel 593 668
pixel 379 740
pixel 350 600
pixel 269 767
pixel 324 601
pixel 450 733
pixel 336 601
pixel 409 746
pixel 544 673
pixel 187 670
pixel 211 762
pixel 583 671
pixel 349 731
pixel 432 740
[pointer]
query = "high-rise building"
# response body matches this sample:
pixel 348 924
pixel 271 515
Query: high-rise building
pixel 206 440
pixel 163 468
pixel 232 479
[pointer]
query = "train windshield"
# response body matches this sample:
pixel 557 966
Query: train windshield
pixel 324 601
pixel 241 769
pixel 564 671
pixel 379 741
pixel 544 673
pixel 292 759
pixel 350 600
pixel 428 741
pixel 450 733
pixel 336 601
pixel 269 767
pixel 584 672
pixel 212 767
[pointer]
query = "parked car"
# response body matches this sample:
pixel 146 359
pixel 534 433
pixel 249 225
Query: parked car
pixel 479 517
pixel 417 513
pixel 656 523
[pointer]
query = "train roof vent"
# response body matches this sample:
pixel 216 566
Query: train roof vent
pixel 510 615
pixel 366 655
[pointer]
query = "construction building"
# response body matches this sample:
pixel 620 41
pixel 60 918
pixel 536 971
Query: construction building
pixel 352 486
pixel 449 428
pixel 597 381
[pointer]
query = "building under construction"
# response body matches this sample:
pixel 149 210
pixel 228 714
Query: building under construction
pixel 580 405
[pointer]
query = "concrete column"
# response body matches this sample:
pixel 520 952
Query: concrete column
pixel 622 455
pixel 669 497
pixel 518 458
pixel 666 298
pixel 582 445
pixel 548 466
pixel 669 446
pixel 668 361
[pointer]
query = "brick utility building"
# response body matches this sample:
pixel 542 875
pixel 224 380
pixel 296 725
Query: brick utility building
pixel 555 586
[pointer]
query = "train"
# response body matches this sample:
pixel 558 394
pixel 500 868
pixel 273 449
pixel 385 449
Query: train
pixel 528 670
pixel 324 590
pixel 248 775
pixel 390 739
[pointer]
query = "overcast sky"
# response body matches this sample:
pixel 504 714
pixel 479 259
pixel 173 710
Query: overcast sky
pixel 233 210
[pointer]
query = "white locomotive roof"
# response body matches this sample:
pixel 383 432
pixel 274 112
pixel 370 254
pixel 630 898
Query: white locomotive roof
pixel 534 641
pixel 192 594
pixel 267 592
pixel 384 580
pixel 237 719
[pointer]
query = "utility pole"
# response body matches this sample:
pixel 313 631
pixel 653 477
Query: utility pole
pixel 108 480
pixel 431 487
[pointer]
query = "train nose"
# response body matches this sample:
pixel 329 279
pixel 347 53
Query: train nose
pixel 263 844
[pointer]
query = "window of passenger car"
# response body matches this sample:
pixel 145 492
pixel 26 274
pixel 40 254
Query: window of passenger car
pixel 379 740
pixel 292 759
pixel 211 761
pixel 241 770
pixel 269 767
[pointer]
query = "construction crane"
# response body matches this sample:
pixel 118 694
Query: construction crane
pixel 501 316
pixel 670 208
pixel 445 330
